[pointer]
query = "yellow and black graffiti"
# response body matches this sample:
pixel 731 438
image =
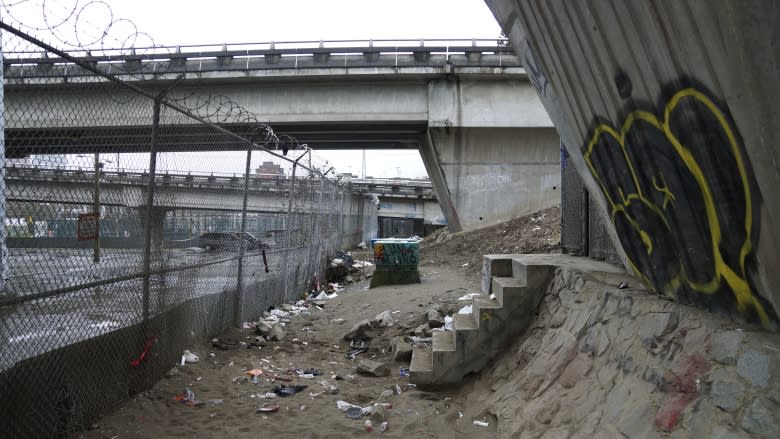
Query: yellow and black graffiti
pixel 681 195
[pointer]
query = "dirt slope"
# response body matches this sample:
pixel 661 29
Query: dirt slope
pixel 539 232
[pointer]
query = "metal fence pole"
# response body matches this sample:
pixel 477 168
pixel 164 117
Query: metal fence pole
pixel 96 250
pixel 4 271
pixel 149 204
pixel 290 222
pixel 238 316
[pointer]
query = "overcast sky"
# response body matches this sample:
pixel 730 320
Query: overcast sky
pixel 179 22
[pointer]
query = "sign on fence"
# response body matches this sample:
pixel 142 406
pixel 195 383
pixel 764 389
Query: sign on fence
pixel 89 226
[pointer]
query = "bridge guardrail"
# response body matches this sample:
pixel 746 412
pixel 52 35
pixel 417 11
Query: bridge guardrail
pixel 254 56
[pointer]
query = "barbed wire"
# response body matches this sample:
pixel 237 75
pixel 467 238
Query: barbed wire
pixel 70 26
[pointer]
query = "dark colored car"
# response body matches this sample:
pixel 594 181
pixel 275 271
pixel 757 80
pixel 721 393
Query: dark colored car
pixel 231 241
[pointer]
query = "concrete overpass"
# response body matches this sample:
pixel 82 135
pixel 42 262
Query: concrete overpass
pixel 184 191
pixel 486 141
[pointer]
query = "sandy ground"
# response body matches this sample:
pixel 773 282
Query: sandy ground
pixel 310 413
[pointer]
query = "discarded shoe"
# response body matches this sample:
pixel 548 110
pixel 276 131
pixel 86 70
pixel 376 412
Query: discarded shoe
pixel 284 391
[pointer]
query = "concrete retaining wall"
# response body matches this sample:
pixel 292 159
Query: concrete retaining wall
pixel 603 362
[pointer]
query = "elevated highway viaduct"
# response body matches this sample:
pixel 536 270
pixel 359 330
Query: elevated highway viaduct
pixel 487 143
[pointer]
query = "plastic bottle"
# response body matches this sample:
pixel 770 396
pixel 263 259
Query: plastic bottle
pixel 368 425
pixel 383 427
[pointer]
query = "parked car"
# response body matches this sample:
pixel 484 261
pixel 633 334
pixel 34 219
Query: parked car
pixel 230 241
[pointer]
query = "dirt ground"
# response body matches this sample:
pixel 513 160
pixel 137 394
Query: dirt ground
pixel 539 232
pixel 314 340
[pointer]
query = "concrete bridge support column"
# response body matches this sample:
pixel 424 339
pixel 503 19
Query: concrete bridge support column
pixel 490 159
pixel 156 222
pixel 493 175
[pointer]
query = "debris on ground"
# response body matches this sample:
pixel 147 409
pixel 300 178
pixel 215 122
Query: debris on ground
pixel 189 357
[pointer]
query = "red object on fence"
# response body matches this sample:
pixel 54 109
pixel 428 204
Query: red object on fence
pixel 148 345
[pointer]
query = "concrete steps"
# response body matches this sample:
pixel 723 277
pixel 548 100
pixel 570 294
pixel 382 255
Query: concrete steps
pixel 519 283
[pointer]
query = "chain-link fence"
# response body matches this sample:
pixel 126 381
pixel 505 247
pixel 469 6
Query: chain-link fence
pixel 120 246
pixel 583 232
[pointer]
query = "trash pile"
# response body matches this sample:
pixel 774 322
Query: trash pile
pixel 344 269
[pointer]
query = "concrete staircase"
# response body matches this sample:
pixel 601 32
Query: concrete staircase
pixel 519 283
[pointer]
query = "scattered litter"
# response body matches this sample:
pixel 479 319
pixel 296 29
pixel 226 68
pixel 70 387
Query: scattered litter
pixel 468 296
pixel 329 388
pixel 189 357
pixel 357 346
pixel 449 324
pixel 215 401
pixel 460 414
pixel 368 425
pixel 354 413
pixel 465 265
pixel 383 427
pixel 481 423
pixel 623 285
pixel 267 408
pixel 492 296
pixel 284 391
pixel 254 372
pixel 268 395
pixel 465 310
pixel 404 372
pixel 188 397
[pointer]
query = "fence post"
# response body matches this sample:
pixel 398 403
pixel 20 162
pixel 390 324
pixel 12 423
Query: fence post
pixel 96 207
pixel 149 204
pixel 238 315
pixel 4 271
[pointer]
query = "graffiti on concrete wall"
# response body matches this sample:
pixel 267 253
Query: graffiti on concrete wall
pixel 483 182
pixel 680 193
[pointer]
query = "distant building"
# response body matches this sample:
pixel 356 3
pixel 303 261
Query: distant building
pixel 269 170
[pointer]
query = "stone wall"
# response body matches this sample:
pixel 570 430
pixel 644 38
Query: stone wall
pixel 604 362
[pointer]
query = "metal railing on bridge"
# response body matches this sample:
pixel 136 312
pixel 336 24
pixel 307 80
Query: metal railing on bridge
pixel 100 290
pixel 160 60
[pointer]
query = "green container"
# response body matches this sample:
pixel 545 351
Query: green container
pixel 396 254
pixel 396 262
